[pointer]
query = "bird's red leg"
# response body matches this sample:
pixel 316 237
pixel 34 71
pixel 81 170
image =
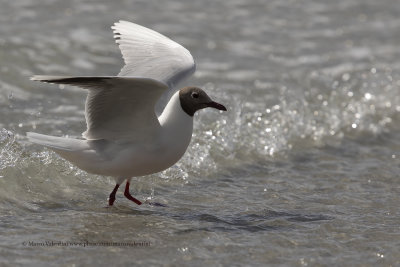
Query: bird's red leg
pixel 128 195
pixel 111 199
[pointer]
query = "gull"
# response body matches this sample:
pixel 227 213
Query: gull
pixel 124 136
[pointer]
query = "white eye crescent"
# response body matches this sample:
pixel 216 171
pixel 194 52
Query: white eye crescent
pixel 195 95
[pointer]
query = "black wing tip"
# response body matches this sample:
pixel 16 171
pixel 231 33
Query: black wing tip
pixel 67 80
pixel 117 36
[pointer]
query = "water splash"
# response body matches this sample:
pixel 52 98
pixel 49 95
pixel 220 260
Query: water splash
pixel 10 151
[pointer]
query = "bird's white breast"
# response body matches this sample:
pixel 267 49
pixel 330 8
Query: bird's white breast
pixel 163 152
pixel 177 129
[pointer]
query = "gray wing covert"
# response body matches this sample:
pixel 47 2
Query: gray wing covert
pixel 117 108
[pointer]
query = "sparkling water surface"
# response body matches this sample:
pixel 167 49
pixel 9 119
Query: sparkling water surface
pixel 303 169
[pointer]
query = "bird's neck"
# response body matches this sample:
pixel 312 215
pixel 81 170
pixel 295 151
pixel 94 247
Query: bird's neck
pixel 177 128
pixel 174 117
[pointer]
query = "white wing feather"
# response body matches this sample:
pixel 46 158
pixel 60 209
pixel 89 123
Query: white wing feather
pixel 122 108
pixel 117 108
pixel 152 55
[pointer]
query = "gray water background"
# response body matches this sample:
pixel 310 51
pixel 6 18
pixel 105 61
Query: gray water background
pixel 303 169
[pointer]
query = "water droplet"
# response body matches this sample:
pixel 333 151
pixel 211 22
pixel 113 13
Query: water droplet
pixel 184 249
pixel 271 151
pixel 367 96
pixel 373 70
pixel 354 126
pixel 350 93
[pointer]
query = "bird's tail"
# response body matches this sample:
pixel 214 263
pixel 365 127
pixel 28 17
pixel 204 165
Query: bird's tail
pixel 57 144
pixel 76 151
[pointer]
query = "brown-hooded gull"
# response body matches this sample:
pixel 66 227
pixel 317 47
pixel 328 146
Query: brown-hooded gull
pixel 124 137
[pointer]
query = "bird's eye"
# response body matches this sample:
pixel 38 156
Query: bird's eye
pixel 195 95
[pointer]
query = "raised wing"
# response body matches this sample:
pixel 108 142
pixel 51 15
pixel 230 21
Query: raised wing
pixel 150 54
pixel 117 108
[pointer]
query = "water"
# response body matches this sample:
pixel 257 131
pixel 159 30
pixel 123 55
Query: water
pixel 302 170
